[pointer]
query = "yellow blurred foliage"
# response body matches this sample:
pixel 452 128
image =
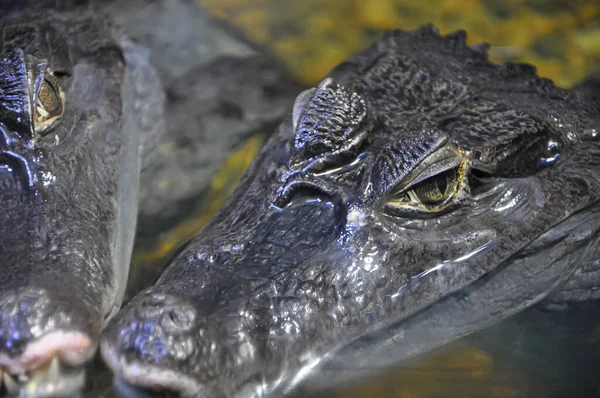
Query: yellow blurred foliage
pixel 312 36
pixel 223 185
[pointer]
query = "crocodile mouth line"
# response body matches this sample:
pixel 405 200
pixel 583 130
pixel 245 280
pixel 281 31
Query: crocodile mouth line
pixel 52 365
pixel 150 377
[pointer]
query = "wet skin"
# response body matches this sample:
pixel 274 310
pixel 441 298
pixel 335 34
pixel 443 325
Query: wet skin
pixel 419 194
pixel 76 104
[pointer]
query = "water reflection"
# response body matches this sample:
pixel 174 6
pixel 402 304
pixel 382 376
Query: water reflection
pixel 534 354
pixel 537 353
pixel 462 258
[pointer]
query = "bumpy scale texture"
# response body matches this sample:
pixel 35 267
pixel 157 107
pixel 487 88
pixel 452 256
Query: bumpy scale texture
pixel 303 261
pixel 67 210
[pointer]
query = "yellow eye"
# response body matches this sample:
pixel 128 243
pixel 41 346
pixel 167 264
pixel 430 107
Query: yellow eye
pixel 49 106
pixel 435 190
pixel 432 195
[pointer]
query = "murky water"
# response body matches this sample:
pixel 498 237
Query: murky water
pixel 534 354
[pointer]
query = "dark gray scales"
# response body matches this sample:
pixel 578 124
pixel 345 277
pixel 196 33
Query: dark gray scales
pixel 15 105
pixel 339 262
pixel 329 121
pixel 400 157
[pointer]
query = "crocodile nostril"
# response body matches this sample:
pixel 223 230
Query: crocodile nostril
pixel 153 306
pixel 174 315
pixel 157 327
pixel 178 320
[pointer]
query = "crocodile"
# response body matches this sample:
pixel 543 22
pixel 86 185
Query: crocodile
pixel 88 91
pixel 418 194
pixel 77 115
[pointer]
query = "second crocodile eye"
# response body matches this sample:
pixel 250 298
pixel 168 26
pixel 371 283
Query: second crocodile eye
pixel 49 106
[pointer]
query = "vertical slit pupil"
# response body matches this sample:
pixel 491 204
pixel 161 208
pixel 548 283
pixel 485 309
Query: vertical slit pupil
pixel 442 182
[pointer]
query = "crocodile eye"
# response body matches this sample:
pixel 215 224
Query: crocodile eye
pixel 49 106
pixel 429 196
pixel 435 190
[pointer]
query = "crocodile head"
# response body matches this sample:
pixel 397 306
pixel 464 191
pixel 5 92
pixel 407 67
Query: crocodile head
pixel 418 194
pixel 68 177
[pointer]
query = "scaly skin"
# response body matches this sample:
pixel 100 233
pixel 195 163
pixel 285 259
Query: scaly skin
pixel 97 217
pixel 68 191
pixel 312 265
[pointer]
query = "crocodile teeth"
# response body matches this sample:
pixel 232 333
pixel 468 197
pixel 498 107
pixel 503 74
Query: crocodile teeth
pixel 48 373
pixel 11 385
pixel 50 379
pixel 54 371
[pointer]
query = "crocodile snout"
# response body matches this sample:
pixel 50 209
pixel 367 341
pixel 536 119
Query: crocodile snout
pixel 44 338
pixel 155 340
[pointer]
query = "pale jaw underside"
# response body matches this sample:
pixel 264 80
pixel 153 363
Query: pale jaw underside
pixel 150 377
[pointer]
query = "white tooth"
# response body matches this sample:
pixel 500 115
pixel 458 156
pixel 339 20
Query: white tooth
pixel 54 371
pixel 42 111
pixel 11 385
pixel 23 378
